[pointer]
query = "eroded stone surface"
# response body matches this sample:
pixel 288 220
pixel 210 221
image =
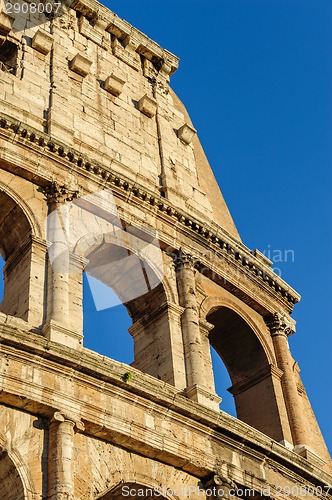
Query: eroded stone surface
pixel 75 424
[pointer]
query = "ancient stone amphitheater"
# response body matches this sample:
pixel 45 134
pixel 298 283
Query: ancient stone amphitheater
pixel 101 170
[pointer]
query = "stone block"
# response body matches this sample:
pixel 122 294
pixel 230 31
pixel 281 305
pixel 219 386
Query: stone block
pixel 148 106
pixel 6 23
pixel 42 41
pixel 114 84
pixel 59 127
pixel 127 55
pixel 186 133
pixel 80 64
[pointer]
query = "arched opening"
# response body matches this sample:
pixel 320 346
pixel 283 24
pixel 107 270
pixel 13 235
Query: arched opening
pixel 11 486
pixel 106 323
pixel 222 382
pixel 2 284
pixel 237 344
pixel 255 385
pixel 121 278
pixel 114 283
pixel 15 230
pixel 87 235
pixel 133 491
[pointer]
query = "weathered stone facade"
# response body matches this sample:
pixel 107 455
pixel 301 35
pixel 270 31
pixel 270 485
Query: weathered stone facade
pixel 86 108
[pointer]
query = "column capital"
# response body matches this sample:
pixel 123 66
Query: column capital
pixel 183 260
pixel 60 416
pixel 223 487
pixel 59 193
pixel 280 324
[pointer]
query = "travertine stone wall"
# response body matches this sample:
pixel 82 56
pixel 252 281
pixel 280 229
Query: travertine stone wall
pixel 81 432
pixel 88 117
pixel 50 94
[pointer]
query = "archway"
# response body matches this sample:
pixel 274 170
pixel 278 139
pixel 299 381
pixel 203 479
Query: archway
pixel 255 382
pixel 133 491
pixel 105 329
pixel 15 249
pixel 138 288
pixel 237 345
pixel 2 284
pixel 11 486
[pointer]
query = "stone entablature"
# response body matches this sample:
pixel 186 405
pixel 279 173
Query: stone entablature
pixel 235 253
pixel 106 22
pixel 101 408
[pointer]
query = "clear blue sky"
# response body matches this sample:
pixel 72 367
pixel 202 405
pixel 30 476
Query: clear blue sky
pixel 256 77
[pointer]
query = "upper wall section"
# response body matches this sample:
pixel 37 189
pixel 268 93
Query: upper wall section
pixel 95 83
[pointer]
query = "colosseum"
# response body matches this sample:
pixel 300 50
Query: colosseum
pixel 102 172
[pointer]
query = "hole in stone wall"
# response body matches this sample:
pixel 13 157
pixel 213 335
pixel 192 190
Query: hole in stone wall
pixel 2 263
pixel 222 382
pixel 8 56
pixel 106 330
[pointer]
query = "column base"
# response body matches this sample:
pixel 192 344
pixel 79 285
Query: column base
pixel 203 397
pixel 55 332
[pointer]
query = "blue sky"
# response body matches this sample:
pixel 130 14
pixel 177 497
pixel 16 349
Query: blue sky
pixel 256 77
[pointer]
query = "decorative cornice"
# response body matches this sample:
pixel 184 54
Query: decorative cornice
pixel 129 39
pixel 106 375
pixel 217 239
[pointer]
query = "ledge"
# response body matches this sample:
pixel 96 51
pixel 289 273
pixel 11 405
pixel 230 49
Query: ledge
pixel 90 367
pixel 218 239
pixel 6 23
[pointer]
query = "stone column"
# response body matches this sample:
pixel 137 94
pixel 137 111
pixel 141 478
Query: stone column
pixel 57 325
pixel 281 327
pixel 60 455
pixel 197 388
pixel 185 275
